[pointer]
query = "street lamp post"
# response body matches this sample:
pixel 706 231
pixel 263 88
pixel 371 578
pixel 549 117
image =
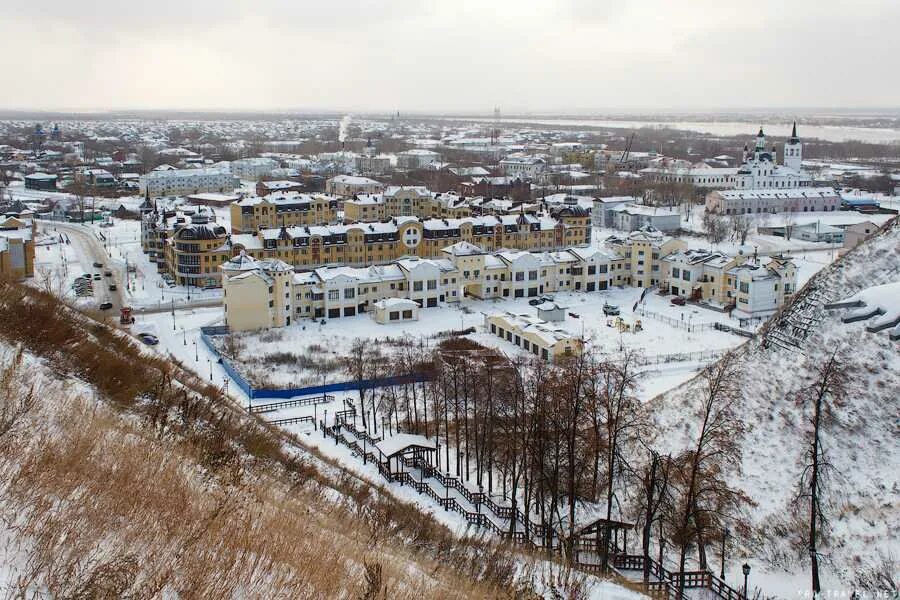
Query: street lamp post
pixel 209 362
pixel 724 538
pixel 184 335
pixel 746 570
pixel 196 355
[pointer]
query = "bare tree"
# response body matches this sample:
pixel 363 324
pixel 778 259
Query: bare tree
pixel 740 227
pixel 622 418
pixel 824 392
pixel 704 496
pixel 654 500
pixel 716 227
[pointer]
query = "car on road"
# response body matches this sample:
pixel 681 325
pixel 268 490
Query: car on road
pixel 610 310
pixel 678 301
pixel 112 287
pixel 107 273
pixel 86 276
pixel 106 306
pixel 535 301
pixel 148 338
pixel 97 277
pixel 98 265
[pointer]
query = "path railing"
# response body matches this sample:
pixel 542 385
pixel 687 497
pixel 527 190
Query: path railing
pixel 292 420
pixel 273 406
pixel 665 587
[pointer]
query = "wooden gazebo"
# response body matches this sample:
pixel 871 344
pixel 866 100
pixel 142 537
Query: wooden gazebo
pixel 405 445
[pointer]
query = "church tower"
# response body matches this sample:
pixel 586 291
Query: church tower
pixel 793 151
pixel 760 142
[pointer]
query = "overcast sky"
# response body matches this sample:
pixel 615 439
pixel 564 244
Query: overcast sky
pixel 460 55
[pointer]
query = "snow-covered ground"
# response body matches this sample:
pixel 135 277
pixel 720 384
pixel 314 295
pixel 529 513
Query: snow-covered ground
pixel 334 338
pixel 860 438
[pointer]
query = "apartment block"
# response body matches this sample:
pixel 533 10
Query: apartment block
pixel 360 244
pixel 290 209
pixel 643 250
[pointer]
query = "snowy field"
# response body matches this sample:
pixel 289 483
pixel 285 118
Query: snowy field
pixel 689 331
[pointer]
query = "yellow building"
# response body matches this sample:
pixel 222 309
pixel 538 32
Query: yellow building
pixel 534 335
pixel 699 275
pixel 405 201
pixel 257 295
pixel 380 242
pixel 17 248
pixel 187 245
pixel 293 208
pixel 642 250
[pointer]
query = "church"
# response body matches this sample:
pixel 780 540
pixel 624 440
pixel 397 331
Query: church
pixel 760 168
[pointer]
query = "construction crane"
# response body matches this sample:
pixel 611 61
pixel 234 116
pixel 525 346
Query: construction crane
pixel 624 158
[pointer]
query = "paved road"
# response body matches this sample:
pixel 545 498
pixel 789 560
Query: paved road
pixel 90 250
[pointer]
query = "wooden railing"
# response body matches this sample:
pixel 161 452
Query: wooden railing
pixel 666 582
pixel 292 420
pixel 272 406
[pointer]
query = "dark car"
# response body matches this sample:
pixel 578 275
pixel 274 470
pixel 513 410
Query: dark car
pixel 610 310
pixel 112 287
pixel 107 273
pixel 97 277
pixel 149 339
pixel 98 265
pixel 106 306
pixel 535 301
pixel 678 301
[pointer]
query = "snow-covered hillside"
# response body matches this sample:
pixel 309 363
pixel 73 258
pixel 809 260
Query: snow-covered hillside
pixel 861 441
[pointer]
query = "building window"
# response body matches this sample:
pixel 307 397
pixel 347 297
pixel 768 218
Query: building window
pixel 334 294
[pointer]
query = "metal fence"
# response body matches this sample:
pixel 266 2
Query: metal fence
pixel 698 356
pixel 687 325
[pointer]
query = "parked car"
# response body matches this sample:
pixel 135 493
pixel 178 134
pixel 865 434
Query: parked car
pixel 678 301
pixel 107 273
pixel 98 265
pixel 610 310
pixel 535 301
pixel 97 277
pixel 86 276
pixel 149 339
pixel 112 287
pixel 106 306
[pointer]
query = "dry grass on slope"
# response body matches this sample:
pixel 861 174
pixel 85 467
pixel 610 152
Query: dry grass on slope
pixel 162 487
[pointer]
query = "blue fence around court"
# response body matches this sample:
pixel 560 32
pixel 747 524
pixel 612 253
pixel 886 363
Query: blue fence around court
pixel 281 394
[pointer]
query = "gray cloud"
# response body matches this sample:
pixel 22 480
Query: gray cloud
pixel 465 55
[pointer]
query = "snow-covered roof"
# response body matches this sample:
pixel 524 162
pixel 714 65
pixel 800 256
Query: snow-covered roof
pixel 398 443
pixel 399 303
pixel 463 249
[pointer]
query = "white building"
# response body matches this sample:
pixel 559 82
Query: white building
pixel 700 175
pixel 183 182
pixel 760 169
pixel 629 217
pixel 804 199
pixel 253 168
pixel 601 213
pixel 378 164
pixel 416 158
pixel 523 167
pixel 350 185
